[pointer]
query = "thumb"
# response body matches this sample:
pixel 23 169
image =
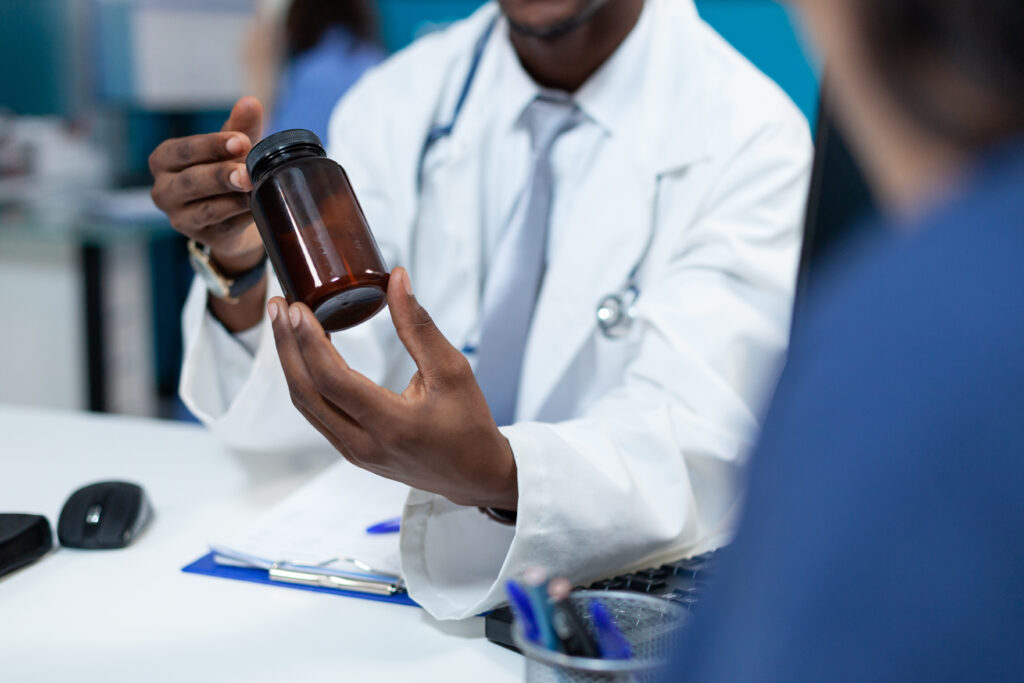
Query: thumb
pixel 431 351
pixel 246 117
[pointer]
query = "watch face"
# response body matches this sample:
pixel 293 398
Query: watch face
pixel 213 282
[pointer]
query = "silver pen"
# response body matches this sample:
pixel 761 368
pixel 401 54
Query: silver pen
pixel 360 585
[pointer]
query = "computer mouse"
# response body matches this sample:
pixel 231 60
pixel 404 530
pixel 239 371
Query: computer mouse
pixel 108 514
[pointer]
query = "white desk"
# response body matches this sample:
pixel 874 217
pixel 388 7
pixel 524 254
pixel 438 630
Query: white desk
pixel 132 615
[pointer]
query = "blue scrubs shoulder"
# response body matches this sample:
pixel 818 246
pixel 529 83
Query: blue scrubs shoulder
pixel 883 537
pixel 315 80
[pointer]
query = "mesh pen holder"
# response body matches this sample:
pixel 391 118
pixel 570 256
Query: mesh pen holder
pixel 649 624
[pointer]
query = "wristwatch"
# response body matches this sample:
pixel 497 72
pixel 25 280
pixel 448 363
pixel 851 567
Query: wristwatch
pixel 217 283
pixel 507 517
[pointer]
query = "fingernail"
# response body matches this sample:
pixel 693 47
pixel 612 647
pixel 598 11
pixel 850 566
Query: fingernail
pixel 235 146
pixel 272 311
pixel 236 178
pixel 408 284
pixel 295 315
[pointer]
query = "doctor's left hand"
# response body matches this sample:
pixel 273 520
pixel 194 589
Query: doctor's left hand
pixel 437 435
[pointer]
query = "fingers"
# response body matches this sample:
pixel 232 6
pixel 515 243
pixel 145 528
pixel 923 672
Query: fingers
pixel 246 117
pixel 351 391
pixel 202 194
pixel 196 217
pixel 301 386
pixel 178 154
pixel 434 355
pixel 335 440
pixel 203 181
pixel 226 230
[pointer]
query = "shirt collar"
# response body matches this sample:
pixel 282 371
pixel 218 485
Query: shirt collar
pixel 606 96
pixel 518 90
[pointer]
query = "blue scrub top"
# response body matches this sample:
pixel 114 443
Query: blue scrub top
pixel 883 535
pixel 315 80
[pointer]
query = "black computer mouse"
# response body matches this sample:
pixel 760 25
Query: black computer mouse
pixel 108 514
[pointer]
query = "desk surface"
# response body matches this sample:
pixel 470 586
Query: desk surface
pixel 132 615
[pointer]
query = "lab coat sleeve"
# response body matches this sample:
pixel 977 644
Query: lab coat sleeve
pixel 649 472
pixel 241 397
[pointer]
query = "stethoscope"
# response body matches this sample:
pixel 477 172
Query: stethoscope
pixel 615 310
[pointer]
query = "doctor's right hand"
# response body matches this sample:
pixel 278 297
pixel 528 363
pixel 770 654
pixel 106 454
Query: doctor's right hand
pixel 201 183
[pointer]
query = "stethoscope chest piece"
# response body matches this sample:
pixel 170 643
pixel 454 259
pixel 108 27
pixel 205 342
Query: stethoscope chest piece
pixel 615 313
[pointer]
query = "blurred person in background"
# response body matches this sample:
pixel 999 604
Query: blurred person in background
pixel 303 55
pixel 525 165
pixel 882 536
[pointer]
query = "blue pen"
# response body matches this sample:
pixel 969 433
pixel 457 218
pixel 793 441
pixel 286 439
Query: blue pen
pixel 523 611
pixel 609 638
pixel 388 526
pixel 535 584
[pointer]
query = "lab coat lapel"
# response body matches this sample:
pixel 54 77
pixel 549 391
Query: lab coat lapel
pixel 447 240
pixel 603 240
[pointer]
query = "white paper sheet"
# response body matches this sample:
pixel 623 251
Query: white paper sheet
pixel 324 520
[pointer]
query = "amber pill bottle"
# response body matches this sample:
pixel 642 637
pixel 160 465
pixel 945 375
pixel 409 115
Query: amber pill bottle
pixel 314 230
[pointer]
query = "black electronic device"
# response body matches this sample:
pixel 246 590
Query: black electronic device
pixel 23 539
pixel 105 515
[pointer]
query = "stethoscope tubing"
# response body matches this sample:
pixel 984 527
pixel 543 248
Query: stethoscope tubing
pixel 622 300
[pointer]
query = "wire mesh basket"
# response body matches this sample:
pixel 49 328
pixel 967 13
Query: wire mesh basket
pixel 649 624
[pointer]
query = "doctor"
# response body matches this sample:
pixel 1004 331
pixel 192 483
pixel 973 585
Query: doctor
pixel 598 202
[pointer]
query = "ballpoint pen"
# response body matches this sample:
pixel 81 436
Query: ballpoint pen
pixel 535 585
pixel 570 630
pixel 309 577
pixel 388 526
pixel 610 640
pixel 523 611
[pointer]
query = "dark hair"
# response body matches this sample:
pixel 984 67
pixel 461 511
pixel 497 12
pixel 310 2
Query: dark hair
pixel 308 20
pixel 956 66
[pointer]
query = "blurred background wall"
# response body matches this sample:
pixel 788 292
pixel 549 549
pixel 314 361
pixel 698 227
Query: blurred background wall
pixel 92 279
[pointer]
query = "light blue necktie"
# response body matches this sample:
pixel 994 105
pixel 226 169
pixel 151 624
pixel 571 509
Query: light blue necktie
pixel 517 268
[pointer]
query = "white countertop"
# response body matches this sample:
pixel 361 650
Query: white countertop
pixel 133 615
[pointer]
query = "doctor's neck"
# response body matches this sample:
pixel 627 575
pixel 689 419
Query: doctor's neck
pixel 562 43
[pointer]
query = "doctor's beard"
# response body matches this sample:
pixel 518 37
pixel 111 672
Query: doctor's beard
pixel 559 28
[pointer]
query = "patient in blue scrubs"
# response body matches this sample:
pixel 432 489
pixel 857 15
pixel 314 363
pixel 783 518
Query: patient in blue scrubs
pixel 327 46
pixel 883 536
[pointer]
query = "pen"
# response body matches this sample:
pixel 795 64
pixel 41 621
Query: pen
pixel 388 526
pixel 535 585
pixel 610 640
pixel 308 578
pixel 572 633
pixel 523 611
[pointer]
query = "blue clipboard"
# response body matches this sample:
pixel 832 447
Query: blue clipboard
pixel 206 566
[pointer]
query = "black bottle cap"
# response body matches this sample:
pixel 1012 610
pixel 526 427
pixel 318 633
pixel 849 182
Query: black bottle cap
pixel 286 140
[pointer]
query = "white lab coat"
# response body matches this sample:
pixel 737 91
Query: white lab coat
pixel 627 450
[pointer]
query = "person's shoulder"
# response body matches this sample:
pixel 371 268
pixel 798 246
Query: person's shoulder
pixel 333 65
pixel 933 306
pixel 418 70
